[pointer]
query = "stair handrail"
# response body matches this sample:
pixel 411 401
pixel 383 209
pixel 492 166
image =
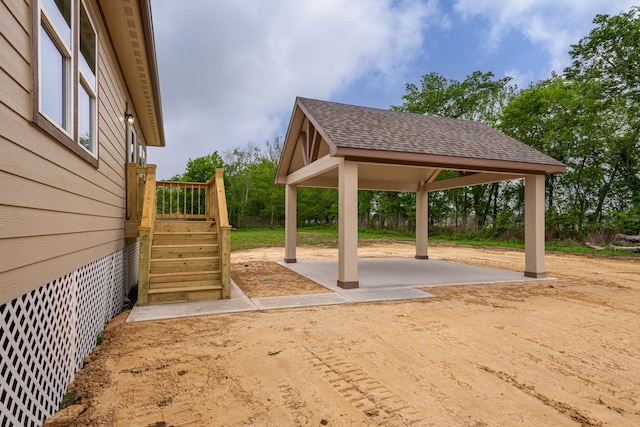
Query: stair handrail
pixel 149 207
pixel 224 231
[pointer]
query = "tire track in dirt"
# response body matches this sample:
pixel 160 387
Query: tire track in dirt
pixel 376 401
pixel 295 403
pixel 561 407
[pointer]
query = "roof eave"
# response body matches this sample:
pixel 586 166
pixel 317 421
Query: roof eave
pixel 122 21
pixel 147 25
pixel 447 162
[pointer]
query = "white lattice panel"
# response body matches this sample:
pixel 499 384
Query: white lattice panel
pixel 131 259
pixel 45 335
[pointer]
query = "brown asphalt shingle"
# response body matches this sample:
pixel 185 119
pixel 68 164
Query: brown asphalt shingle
pixel 351 126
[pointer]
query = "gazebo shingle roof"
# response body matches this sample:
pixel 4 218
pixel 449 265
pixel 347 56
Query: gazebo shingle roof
pixel 355 127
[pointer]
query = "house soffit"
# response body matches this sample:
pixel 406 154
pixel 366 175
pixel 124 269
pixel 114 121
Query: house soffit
pixel 130 30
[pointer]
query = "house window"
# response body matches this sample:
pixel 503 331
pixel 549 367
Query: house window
pixel 55 62
pixel 87 83
pixel 142 154
pixel 133 144
pixel 137 152
pixel 65 71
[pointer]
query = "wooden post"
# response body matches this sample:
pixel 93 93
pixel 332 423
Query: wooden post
pixel 140 196
pixel 132 192
pixel 144 267
pixel 290 223
pixel 422 223
pixel 224 233
pixel 225 261
pixel 146 235
pixel 210 199
pixel 534 226
pixel 348 225
pixel 222 198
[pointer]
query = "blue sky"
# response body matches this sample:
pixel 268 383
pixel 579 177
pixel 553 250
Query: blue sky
pixel 230 70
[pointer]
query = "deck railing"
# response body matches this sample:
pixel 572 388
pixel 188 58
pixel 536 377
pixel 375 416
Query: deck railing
pixel 148 200
pixel 181 200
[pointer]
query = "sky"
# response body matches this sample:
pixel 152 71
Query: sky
pixel 230 70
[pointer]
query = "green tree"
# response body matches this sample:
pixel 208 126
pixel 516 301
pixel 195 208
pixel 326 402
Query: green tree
pixel 317 206
pixel 607 62
pixel 253 199
pixel 202 168
pixel 480 97
pixel 265 203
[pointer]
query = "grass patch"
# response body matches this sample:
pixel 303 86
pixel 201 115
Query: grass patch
pixel 252 238
pixel 67 399
pixel 477 241
pixel 572 247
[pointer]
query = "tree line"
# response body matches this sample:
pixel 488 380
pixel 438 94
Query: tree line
pixel 588 117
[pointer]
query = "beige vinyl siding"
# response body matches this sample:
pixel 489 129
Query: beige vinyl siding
pixel 57 212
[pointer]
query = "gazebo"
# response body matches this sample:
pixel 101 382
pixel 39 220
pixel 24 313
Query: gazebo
pixel 350 147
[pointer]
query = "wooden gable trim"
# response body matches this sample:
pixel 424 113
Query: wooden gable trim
pixel 303 130
pixel 332 147
pixel 309 139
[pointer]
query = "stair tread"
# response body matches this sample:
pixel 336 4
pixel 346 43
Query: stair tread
pixel 195 258
pixel 183 232
pixel 185 289
pixel 182 221
pixel 185 245
pixel 183 273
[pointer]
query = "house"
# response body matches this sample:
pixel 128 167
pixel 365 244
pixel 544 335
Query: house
pixel 79 101
pixel 350 147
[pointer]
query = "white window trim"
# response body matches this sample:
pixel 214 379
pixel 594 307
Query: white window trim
pixel 83 81
pixel 132 139
pixel 68 138
pixel 50 27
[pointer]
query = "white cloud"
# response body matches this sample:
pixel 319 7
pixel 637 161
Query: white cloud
pixel 521 79
pixel 230 70
pixel 553 24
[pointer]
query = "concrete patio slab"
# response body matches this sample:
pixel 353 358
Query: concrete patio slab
pixel 390 273
pixel 388 294
pixel 293 301
pixel 237 303
pixel 381 279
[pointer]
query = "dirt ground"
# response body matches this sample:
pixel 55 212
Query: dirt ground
pixel 563 352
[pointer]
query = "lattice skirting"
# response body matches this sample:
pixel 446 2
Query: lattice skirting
pixel 45 334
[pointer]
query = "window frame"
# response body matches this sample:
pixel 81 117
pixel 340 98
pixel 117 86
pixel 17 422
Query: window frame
pixel 69 138
pixel 136 148
pixel 84 82
pixel 132 143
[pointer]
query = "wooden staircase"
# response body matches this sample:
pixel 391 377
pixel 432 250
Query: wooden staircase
pixel 185 262
pixel 184 235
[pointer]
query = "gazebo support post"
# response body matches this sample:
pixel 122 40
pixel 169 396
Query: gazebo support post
pixel 422 223
pixel 534 226
pixel 290 225
pixel 348 225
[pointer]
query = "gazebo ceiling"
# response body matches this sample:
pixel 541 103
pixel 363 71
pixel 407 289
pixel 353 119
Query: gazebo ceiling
pixel 399 151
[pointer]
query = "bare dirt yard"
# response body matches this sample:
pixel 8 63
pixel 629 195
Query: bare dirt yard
pixel 563 352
